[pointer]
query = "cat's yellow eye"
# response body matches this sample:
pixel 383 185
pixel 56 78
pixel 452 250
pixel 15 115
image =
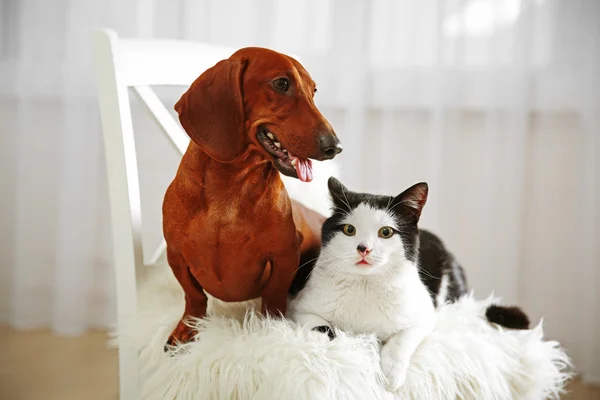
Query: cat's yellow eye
pixel 349 230
pixel 386 232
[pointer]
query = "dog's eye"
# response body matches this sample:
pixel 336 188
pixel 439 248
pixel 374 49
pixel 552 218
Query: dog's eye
pixel 349 230
pixel 385 232
pixel 281 84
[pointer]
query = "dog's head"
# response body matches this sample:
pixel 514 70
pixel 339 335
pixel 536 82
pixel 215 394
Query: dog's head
pixel 263 99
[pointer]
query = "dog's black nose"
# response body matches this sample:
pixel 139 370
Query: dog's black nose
pixel 330 146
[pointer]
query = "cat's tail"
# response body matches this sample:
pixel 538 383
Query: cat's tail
pixel 508 317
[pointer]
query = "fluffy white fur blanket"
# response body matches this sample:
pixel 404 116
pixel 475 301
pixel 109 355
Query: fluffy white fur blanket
pixel 244 356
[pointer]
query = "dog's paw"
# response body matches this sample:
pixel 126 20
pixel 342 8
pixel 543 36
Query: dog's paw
pixel 181 334
pixel 394 370
pixel 325 329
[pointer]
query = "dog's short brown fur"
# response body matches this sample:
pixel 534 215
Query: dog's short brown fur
pixel 229 224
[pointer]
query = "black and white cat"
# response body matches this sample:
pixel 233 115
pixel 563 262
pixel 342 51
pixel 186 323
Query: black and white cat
pixel 377 273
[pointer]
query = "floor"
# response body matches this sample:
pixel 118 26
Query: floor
pixel 54 367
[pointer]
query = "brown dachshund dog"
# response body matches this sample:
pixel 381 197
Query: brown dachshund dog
pixel 230 227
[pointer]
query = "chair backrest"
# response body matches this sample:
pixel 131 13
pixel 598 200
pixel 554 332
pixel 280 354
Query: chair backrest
pixel 122 65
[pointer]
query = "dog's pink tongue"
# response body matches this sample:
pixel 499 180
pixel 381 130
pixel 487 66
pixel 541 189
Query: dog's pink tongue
pixel 303 168
pixel 307 166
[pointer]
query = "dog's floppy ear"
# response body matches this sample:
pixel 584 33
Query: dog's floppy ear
pixel 212 111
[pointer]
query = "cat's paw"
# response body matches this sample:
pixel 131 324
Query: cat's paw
pixel 394 370
pixel 325 329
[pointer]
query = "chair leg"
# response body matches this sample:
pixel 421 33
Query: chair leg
pixel 128 372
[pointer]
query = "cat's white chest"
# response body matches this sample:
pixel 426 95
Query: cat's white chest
pixel 367 304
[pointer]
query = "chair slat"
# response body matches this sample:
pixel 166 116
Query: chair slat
pixel 167 62
pixel 163 118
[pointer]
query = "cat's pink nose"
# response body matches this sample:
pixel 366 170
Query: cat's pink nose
pixel 363 250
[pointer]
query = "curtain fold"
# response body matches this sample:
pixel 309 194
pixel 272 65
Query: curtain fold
pixel 496 104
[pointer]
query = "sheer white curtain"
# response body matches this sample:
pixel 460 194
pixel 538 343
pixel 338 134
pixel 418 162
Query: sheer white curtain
pixel 495 103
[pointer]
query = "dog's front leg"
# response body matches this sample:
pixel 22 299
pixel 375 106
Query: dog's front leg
pixel 274 295
pixel 195 304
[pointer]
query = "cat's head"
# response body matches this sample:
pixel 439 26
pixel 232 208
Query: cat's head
pixel 369 234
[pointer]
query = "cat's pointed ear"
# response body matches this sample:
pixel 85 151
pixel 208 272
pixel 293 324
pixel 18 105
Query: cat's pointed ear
pixel 412 199
pixel 339 193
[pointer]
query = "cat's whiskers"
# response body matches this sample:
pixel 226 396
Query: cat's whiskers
pixel 394 205
pixel 335 266
pixel 331 274
pixel 333 277
pixel 338 273
pixel 427 273
pixel 390 270
pixel 347 202
pixel 329 262
pixel 345 213
pixel 393 267
pixel 388 204
pixel 306 263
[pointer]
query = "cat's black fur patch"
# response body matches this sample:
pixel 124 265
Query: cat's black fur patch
pixel 325 329
pixel 508 317
pixel 307 263
pixel 435 261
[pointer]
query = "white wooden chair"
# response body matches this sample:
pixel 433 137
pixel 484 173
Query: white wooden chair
pixel 121 65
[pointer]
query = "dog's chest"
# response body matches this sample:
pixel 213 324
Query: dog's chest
pixel 236 229
pixel 222 238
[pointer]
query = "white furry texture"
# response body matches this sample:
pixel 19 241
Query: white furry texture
pixel 253 358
